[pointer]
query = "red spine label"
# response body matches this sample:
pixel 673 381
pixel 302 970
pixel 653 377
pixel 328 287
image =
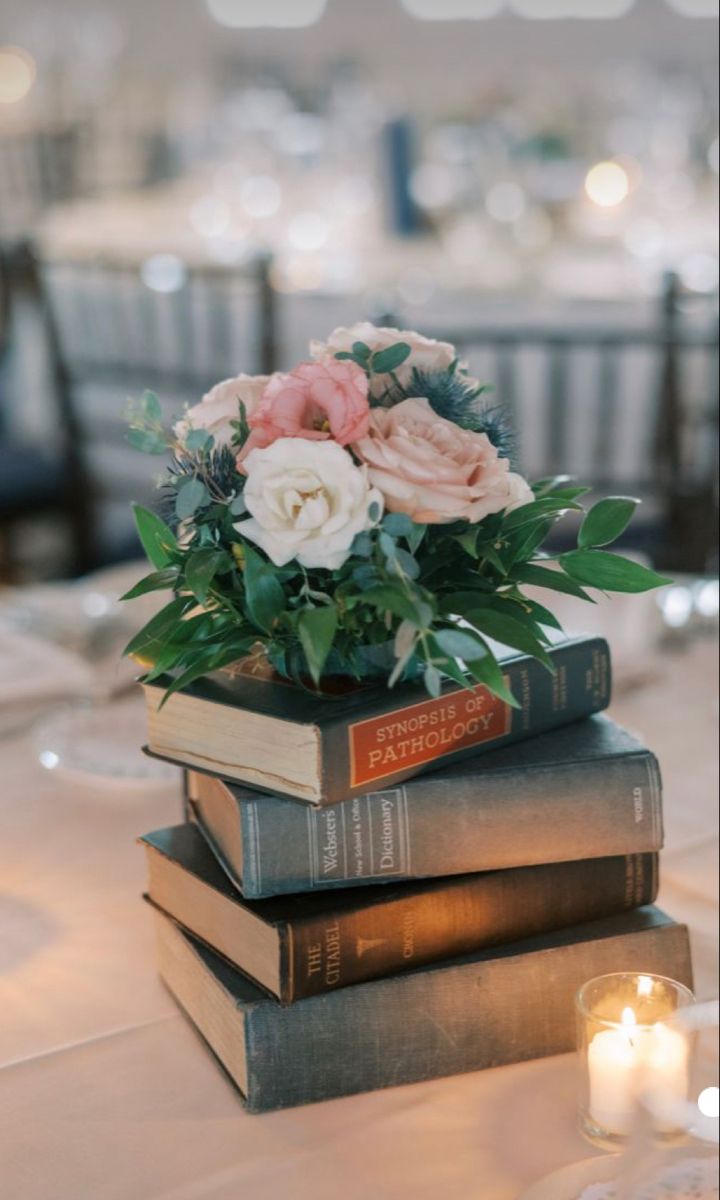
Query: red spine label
pixel 424 732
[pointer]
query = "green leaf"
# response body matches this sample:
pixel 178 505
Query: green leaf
pixel 237 505
pixel 389 359
pixel 361 351
pixel 158 541
pixel 150 407
pixel 316 627
pixel 611 572
pixel 374 511
pixel 511 631
pixel 197 439
pixel 192 495
pixel 201 568
pixel 416 536
pixel 459 643
pixel 155 582
pixel 468 541
pixel 151 638
pixel 210 658
pixel 538 612
pixel 528 540
pixel 537 510
pixel 488 672
pixel 400 604
pixel 397 524
pixel 362 546
pixel 407 564
pixel 264 595
pixel 544 577
pixel 146 441
pixel 432 680
pixel 606 520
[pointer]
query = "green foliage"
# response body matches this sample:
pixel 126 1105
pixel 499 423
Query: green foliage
pixel 439 594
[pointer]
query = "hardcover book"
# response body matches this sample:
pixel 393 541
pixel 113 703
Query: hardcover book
pixel 280 738
pixel 485 1010
pixel 299 946
pixel 588 790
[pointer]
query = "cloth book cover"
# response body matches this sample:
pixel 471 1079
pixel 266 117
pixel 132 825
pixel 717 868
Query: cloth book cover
pixel 588 790
pixel 485 1010
pixel 278 737
pixel 298 946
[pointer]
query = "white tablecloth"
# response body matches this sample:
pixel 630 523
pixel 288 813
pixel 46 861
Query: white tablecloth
pixel 107 1094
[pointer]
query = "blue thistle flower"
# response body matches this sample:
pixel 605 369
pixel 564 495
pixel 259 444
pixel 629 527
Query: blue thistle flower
pixel 461 400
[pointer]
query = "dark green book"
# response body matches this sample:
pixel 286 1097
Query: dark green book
pixel 275 736
pixel 486 1010
pixel 300 946
pixel 588 790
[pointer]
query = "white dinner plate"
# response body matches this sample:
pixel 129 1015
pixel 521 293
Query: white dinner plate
pixel 570 1182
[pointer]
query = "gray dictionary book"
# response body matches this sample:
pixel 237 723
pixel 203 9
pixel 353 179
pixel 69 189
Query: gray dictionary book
pixel 589 790
pixel 485 1010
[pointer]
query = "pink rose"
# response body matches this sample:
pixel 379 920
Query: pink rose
pixel 221 405
pixel 316 401
pixel 433 470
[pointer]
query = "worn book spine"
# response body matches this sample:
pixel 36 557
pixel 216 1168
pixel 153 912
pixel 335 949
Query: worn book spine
pixel 334 949
pixel 402 741
pixel 437 825
pixel 497 1008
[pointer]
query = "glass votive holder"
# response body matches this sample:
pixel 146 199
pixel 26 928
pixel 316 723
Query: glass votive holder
pixel 626 1046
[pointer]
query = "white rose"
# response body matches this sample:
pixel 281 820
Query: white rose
pixel 307 501
pixel 425 353
pixel 519 489
pixel 220 406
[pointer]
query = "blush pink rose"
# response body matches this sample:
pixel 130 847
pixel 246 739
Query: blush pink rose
pixel 433 470
pixel 317 401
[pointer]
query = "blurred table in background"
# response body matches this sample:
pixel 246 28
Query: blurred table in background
pixel 106 1092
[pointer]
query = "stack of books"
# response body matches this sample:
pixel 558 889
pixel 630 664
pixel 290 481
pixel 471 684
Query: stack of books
pixel 381 888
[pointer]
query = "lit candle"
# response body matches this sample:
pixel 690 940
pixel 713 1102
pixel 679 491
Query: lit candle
pixel 622 1059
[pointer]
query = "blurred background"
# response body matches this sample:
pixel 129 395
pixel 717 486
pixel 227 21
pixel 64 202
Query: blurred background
pixel 193 188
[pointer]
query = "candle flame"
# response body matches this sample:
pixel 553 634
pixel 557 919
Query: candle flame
pixel 628 1018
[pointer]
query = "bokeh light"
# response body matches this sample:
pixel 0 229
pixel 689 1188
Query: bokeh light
pixel 266 14
pixel 709 1102
pixel 17 74
pixel 163 273
pixel 607 184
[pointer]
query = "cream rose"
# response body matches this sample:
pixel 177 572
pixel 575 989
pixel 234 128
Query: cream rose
pixel 425 353
pixel 434 470
pixel 221 405
pixel 307 501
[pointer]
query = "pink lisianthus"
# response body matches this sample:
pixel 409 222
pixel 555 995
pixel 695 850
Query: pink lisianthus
pixel 317 401
pixel 434 470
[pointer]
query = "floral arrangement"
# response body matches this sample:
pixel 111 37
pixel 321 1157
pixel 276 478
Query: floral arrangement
pixel 358 516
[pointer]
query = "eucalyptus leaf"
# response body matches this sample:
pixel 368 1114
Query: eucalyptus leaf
pixel 397 524
pixel 610 572
pixel 191 495
pixel 150 408
pixel 384 361
pixel 606 520
pixel 146 440
pixel 361 351
pixel 432 680
pixel 459 643
pixel 197 439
